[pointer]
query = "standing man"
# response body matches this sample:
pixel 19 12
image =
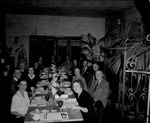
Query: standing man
pixel 23 69
pixel 14 81
pixel 95 67
pixel 86 73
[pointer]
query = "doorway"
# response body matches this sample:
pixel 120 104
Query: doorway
pixel 47 46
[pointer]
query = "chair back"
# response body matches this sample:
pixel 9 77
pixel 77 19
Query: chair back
pixel 99 108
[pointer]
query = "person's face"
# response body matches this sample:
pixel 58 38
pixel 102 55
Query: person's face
pixel 40 59
pixel 31 70
pixel 95 67
pixel 22 85
pixel 85 64
pixel 99 75
pixel 36 65
pixel 76 87
pixel 8 67
pixel 75 62
pixel 22 66
pixel 77 71
pixel 67 58
pixel 17 74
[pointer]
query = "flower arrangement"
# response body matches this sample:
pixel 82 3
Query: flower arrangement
pixel 53 77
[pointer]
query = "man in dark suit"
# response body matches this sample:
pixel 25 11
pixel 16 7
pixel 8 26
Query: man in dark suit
pixel 14 81
pixel 99 89
pixel 95 67
pixel 86 72
pixel 23 69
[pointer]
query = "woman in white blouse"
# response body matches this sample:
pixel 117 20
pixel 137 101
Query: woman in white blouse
pixel 20 101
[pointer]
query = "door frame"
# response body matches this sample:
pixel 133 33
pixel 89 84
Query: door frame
pixel 56 40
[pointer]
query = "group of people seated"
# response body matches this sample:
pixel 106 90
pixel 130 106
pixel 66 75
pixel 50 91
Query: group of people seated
pixel 92 91
pixel 88 83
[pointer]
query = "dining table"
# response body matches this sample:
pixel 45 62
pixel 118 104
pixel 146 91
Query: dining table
pixel 42 111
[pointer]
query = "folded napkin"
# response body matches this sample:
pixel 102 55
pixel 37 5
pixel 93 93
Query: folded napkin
pixel 38 98
pixel 36 117
pixel 70 101
pixel 38 102
pixel 55 116
pixel 64 96
pixel 40 90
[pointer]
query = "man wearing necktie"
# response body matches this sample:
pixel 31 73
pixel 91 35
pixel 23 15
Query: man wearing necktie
pixel 99 88
pixel 95 67
pixel 96 84
pixel 86 72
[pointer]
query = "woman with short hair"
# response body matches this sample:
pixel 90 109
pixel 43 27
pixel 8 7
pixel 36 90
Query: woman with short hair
pixel 85 102
pixel 20 102
pixel 80 77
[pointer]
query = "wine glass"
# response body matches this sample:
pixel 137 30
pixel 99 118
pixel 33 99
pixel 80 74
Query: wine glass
pixel 60 103
pixel 47 97
pixel 45 87
pixel 59 92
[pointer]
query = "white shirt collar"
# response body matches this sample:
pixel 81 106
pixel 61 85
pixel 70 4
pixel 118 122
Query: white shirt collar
pixel 99 81
pixel 15 79
pixel 31 76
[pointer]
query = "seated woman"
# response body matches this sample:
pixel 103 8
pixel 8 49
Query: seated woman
pixel 20 102
pixel 85 102
pixel 78 76
pixel 31 79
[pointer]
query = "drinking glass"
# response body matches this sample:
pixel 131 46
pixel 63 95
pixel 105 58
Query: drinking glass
pixel 45 87
pixel 60 103
pixel 47 97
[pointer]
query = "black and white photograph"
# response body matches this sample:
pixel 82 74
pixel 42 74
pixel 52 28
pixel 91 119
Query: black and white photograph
pixel 75 61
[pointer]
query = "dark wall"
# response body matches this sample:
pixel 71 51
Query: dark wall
pixel 2 30
pixel 144 7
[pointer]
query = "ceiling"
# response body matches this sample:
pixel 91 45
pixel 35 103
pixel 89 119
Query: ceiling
pixel 67 7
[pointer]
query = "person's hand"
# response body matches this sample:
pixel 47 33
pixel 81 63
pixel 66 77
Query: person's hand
pixel 32 89
pixel 33 94
pixel 74 107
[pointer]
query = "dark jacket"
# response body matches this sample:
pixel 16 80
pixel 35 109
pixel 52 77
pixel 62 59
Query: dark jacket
pixel 85 100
